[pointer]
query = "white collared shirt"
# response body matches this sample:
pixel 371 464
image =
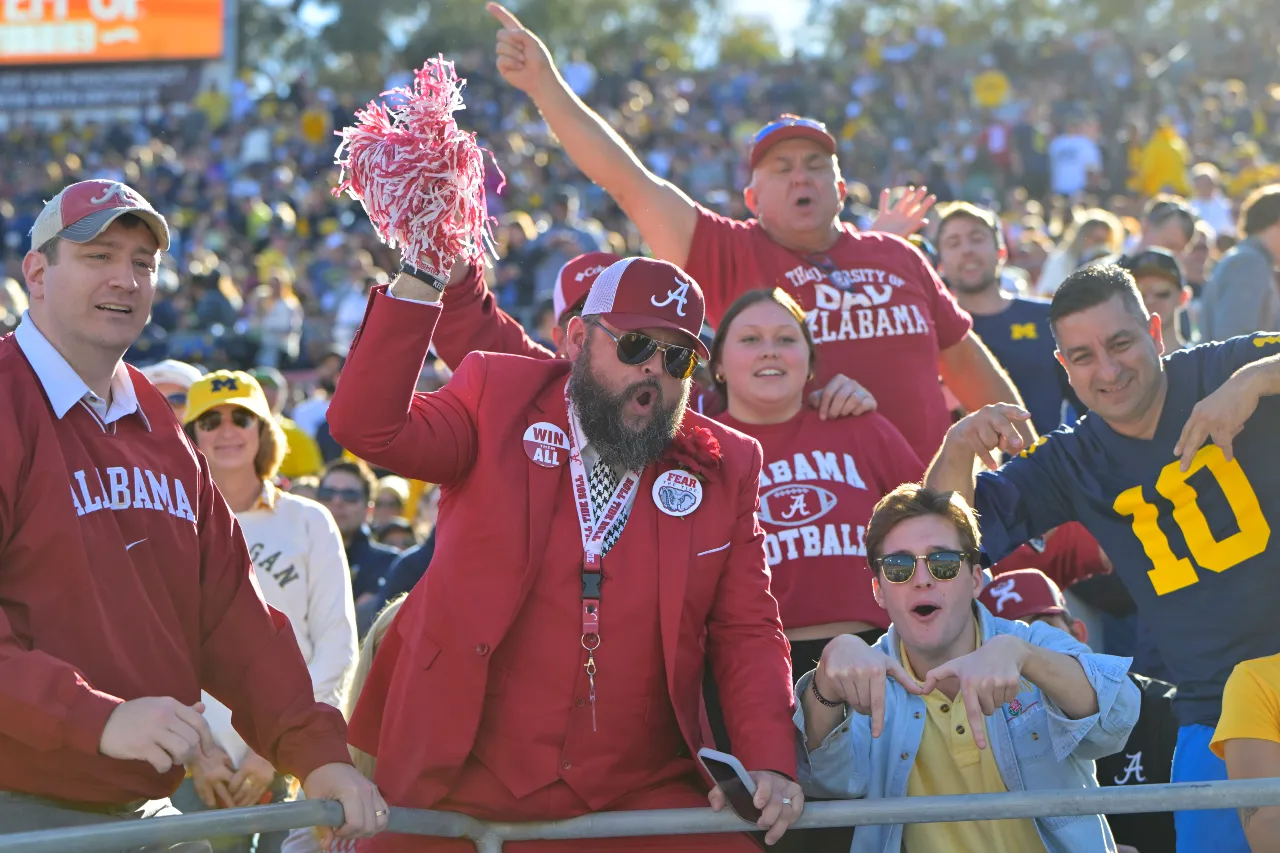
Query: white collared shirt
pixel 64 387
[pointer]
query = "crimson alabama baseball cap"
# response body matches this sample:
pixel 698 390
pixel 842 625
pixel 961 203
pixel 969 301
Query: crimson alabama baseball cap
pixel 82 211
pixel 786 127
pixel 1023 593
pixel 644 293
pixel 575 279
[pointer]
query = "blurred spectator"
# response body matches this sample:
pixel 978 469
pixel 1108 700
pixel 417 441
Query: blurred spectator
pixel 1162 165
pixel 347 490
pixel 1168 222
pixel 1242 295
pixel 1075 160
pixel 13 302
pixel 1090 231
pixel 276 316
pixel 305 487
pixel 173 379
pixel 567 236
pixel 391 500
pixel 309 414
pixel 396 533
pixel 302 457
pixel 1208 201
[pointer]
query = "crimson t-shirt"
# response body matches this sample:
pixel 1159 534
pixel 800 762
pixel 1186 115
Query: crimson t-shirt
pixel 877 310
pixel 820 481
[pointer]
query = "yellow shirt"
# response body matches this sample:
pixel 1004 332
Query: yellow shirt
pixel 949 762
pixel 1250 704
pixel 302 459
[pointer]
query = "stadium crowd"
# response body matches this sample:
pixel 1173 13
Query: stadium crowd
pixel 1082 201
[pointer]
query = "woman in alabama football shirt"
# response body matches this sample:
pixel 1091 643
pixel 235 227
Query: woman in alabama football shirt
pixel 821 478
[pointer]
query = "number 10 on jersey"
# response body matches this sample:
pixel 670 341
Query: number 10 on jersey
pixel 1170 573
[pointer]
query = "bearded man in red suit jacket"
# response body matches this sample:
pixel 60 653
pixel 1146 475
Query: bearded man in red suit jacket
pixel 597 546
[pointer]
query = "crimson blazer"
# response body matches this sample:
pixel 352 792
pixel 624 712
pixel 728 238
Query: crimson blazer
pixel 421 706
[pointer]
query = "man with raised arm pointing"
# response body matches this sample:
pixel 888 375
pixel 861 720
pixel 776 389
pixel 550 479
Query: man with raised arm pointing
pixel 1187 524
pixel 871 298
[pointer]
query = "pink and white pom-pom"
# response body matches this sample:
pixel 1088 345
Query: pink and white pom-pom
pixel 419 177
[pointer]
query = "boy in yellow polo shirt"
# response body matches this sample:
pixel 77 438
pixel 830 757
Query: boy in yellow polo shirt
pixel 953 700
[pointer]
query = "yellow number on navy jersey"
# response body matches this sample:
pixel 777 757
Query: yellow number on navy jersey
pixel 1170 573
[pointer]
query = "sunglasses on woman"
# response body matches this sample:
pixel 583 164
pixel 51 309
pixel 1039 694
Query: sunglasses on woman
pixel 635 348
pixel 943 565
pixel 210 421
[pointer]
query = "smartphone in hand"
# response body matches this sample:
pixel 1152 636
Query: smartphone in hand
pixel 738 788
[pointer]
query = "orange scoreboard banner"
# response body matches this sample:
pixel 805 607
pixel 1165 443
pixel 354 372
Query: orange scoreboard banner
pixel 69 32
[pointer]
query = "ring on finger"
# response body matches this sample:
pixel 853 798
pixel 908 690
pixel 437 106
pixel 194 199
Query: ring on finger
pixel 786 801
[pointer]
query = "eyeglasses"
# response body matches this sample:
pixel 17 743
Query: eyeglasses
pixel 635 348
pixel 324 494
pixel 389 503
pixel 789 121
pixel 210 421
pixel 179 399
pixel 943 565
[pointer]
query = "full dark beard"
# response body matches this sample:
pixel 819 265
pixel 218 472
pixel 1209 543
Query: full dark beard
pixel 600 413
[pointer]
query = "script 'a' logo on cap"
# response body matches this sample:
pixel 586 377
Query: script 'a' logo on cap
pixel 680 295
pixel 119 192
pixel 1003 593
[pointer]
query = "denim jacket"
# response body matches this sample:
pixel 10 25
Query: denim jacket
pixel 1034 744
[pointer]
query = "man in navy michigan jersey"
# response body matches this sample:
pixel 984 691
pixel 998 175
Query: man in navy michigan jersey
pixel 971 255
pixel 1174 471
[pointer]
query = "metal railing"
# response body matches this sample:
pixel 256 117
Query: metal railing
pixel 489 837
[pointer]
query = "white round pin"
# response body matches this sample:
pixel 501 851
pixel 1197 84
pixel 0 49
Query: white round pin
pixel 546 444
pixel 677 493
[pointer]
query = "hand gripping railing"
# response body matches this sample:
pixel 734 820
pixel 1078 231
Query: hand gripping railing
pixel 488 837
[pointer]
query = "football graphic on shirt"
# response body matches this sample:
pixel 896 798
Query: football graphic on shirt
pixel 794 505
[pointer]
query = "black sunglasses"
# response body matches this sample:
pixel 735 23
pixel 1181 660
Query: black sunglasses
pixel 899 568
pixel 179 399
pixel 210 421
pixel 324 494
pixel 635 348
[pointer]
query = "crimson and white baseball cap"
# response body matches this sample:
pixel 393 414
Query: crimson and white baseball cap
pixel 644 293
pixel 1023 593
pixel 575 279
pixel 83 210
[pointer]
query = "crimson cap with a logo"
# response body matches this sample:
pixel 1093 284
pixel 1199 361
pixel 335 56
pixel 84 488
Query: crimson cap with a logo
pixel 82 211
pixel 1023 593
pixel 643 293
pixel 575 280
